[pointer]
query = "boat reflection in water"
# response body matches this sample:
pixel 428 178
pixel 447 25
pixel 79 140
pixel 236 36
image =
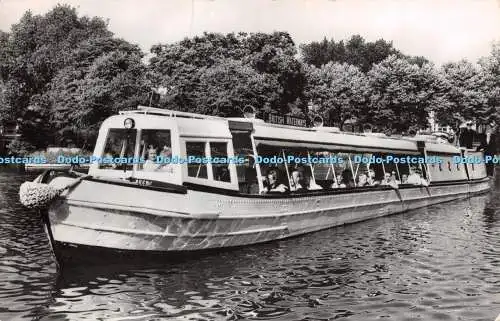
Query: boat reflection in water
pixel 159 207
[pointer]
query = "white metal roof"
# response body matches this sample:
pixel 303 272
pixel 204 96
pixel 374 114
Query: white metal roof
pixel 202 126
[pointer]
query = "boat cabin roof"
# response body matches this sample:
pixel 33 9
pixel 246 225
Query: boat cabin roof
pixel 190 125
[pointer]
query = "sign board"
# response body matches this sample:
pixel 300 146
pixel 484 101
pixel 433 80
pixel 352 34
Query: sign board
pixel 285 120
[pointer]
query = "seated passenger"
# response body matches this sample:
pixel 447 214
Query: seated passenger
pixel 336 183
pixel 371 178
pixel 298 181
pixel 312 186
pixel 392 182
pixel 404 179
pixel 363 180
pixel 394 178
pixel 271 184
pixel 150 164
pixel 347 179
pixel 415 178
pixel 386 180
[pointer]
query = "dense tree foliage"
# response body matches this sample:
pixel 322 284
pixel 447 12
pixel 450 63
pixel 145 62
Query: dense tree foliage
pixel 45 60
pixel 338 92
pixel 264 62
pixel 466 97
pixel 355 51
pixel 402 94
pixel 490 66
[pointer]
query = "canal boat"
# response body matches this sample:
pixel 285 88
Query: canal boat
pixel 168 197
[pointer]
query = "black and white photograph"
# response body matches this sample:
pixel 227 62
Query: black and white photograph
pixel 231 160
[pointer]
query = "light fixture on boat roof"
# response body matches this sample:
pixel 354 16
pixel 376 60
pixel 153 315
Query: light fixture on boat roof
pixel 129 123
pixel 317 121
pixel 249 112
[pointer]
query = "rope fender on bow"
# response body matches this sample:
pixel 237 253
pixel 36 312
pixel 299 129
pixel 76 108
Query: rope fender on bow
pixel 39 195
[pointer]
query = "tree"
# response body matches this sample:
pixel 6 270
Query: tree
pixel 467 95
pixel 82 98
pixel 355 51
pixel 50 64
pixel 338 91
pixel 35 50
pixel 490 67
pixel 225 88
pixel 403 94
pixel 176 67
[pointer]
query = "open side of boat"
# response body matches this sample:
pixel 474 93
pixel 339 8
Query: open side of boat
pixel 185 206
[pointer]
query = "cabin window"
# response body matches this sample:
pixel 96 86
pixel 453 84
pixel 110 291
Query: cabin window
pixel 246 172
pixel 195 152
pixel 119 149
pixel 271 162
pixel 156 150
pixel 220 169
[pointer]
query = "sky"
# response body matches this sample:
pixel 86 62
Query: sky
pixel 441 30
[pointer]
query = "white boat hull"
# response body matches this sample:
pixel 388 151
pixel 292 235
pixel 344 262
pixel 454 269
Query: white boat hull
pixel 139 219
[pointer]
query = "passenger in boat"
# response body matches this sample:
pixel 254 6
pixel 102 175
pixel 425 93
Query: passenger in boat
pixel 415 177
pixel 404 179
pixel 347 180
pixel 363 180
pixel 150 164
pixel 390 180
pixel 298 183
pixel 336 183
pixel 394 178
pixel 272 183
pixel 371 178
pixel 386 180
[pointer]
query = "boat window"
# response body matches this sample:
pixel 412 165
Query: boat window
pixel 272 162
pixel 156 150
pixel 195 152
pixel 246 172
pixel 119 149
pixel 218 152
pixel 325 173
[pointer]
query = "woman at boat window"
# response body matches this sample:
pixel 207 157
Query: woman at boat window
pixel 347 179
pixel 301 181
pixel 150 164
pixel 272 184
pixel 297 180
pixel 415 177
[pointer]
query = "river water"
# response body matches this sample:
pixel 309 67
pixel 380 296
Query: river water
pixel 436 263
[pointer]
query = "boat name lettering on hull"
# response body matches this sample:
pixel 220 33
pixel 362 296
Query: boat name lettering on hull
pixel 144 182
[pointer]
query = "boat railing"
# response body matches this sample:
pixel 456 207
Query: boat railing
pixel 167 112
pixel 145 110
